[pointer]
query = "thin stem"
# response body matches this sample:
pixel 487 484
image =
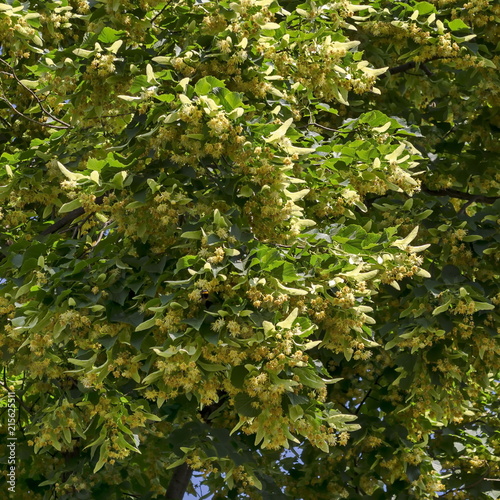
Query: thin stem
pixel 18 399
pixel 161 11
pixel 22 115
pixel 402 68
pixel 69 218
pixel 37 99
pixel 326 128
pixel 452 193
pixel 367 395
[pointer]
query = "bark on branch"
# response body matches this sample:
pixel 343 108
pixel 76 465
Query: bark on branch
pixel 68 218
pixel 5 386
pixel 182 474
pixel 402 68
pixel 452 193
pixel 63 124
pixel 179 482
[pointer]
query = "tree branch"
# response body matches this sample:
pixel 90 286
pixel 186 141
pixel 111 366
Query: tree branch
pixel 103 230
pixel 5 385
pixel 472 485
pixel 411 65
pixel 179 482
pixel 367 395
pixel 182 474
pixel 400 69
pixel 426 70
pixel 161 11
pixel 37 99
pixel 325 128
pixel 22 115
pixel 452 193
pixel 68 218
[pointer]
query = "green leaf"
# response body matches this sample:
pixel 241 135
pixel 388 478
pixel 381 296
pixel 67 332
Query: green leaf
pixel 483 306
pixel 192 235
pixel 423 215
pixel 110 35
pixel 457 24
pixel 206 84
pixel 442 308
pixel 149 323
pixel 71 205
pixel 194 322
pixel 184 262
pixel 280 131
pixel 152 377
pixel 175 464
pixel 309 379
pixel 103 456
pixel 295 412
pixel 288 322
pixel 487 63
pixel 424 8
pixel 243 405
pixel 211 367
pixel 165 97
pixel 238 375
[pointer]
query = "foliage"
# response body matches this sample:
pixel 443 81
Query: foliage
pixel 232 228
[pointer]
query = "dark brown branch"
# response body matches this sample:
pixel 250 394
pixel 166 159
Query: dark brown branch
pixel 39 102
pixel 402 68
pixel 367 395
pixel 426 70
pixel 17 398
pixel 179 482
pixel 182 474
pixel 68 218
pixel 326 128
pixel 5 122
pixel 465 206
pixel 452 193
pixel 161 11
pixel 79 226
pixel 472 485
pixel 22 115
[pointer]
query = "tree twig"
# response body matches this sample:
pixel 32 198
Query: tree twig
pixel 402 68
pixel 161 11
pixel 63 125
pixel 69 218
pixel 22 115
pixel 367 395
pixel 426 70
pixel 453 193
pixel 465 206
pixel 327 128
pixel 101 234
pixel 473 484
pixel 18 399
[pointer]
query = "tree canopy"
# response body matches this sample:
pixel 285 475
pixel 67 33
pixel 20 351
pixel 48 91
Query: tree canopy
pixel 255 239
